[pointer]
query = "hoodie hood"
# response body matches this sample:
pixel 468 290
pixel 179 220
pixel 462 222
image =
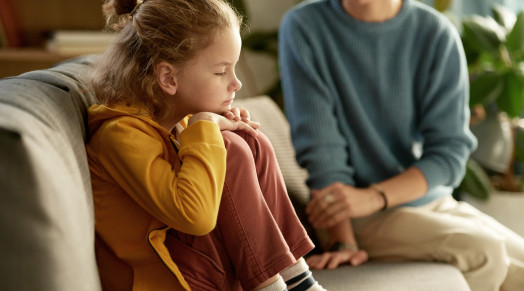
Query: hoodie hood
pixel 98 114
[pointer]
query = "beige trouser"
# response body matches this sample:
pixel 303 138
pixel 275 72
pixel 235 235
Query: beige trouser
pixel 489 255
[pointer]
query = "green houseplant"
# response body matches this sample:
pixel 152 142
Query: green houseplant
pixel 494 49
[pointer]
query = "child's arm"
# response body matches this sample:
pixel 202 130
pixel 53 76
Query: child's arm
pixel 184 195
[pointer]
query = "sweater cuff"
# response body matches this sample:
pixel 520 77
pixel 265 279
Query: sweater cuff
pixel 435 174
pixel 202 131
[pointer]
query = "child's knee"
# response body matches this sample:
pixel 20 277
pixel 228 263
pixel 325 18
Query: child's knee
pixel 241 139
pixel 260 143
pixel 236 145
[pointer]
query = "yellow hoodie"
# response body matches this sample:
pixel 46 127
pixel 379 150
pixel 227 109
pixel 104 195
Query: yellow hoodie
pixel 144 184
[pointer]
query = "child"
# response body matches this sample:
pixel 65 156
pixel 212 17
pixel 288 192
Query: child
pixel 187 191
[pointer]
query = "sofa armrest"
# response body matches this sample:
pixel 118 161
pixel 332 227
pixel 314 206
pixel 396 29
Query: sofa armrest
pixel 46 208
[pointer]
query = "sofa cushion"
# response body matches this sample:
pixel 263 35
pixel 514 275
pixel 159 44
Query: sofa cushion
pixel 46 223
pixel 390 276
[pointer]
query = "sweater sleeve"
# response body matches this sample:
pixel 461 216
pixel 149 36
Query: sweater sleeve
pixel 321 148
pixel 136 157
pixel 443 111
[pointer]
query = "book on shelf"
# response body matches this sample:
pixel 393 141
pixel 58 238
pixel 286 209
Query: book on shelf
pixel 78 42
pixel 11 27
pixel 3 37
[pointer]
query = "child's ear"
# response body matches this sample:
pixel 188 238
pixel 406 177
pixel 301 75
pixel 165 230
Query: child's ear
pixel 166 77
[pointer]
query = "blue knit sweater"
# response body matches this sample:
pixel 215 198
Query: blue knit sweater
pixel 368 100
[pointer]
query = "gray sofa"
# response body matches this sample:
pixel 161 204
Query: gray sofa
pixel 46 211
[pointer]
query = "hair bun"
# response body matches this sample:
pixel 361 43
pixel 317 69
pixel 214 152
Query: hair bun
pixel 117 12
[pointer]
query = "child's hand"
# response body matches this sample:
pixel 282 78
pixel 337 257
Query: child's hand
pixel 225 123
pixel 237 114
pixel 241 114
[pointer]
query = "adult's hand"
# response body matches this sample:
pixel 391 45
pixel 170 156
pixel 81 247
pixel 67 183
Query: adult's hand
pixel 331 260
pixel 337 202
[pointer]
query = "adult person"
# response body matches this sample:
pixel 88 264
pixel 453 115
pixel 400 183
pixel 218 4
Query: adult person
pixel 376 93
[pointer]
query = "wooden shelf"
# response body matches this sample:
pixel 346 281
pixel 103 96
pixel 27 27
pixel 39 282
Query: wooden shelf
pixel 20 60
pixel 39 19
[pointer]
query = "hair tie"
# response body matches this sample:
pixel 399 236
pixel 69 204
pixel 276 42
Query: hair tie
pixel 138 3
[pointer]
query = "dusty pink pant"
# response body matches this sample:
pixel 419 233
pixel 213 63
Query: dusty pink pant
pixel 258 233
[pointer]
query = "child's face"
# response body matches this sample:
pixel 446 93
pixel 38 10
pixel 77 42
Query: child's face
pixel 208 82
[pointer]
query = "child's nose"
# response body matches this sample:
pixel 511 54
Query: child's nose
pixel 236 85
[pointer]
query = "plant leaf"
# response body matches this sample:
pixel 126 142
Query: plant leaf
pixel 515 39
pixel 511 100
pixel 472 53
pixel 476 182
pixel 483 33
pixel 442 5
pixel 504 16
pixel 485 89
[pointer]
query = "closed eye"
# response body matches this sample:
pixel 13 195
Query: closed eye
pixel 220 74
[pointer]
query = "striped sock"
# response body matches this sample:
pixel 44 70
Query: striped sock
pixel 278 285
pixel 299 278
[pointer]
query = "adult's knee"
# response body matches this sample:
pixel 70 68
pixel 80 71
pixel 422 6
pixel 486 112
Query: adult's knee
pixel 477 251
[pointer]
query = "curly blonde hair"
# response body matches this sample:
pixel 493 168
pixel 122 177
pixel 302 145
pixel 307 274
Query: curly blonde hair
pixel 149 33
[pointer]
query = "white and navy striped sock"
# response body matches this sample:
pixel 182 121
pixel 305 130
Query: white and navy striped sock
pixel 299 278
pixel 278 285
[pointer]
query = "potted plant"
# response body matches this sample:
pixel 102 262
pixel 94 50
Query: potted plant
pixel 494 49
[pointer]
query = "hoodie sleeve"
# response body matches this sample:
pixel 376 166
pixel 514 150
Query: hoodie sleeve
pixel 185 194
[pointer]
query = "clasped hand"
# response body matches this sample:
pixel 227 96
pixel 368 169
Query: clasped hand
pixel 237 118
pixel 337 202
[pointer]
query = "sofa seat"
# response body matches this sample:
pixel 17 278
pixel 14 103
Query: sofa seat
pixel 382 276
